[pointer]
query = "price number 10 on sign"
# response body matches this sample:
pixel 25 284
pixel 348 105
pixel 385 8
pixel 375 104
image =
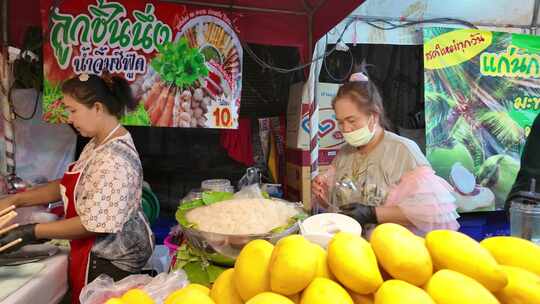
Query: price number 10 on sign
pixel 222 117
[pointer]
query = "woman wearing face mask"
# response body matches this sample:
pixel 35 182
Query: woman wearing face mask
pixel 379 176
pixel 101 191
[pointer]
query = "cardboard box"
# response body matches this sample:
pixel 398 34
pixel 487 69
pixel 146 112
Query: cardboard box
pixel 298 178
pixel 299 184
pixel 302 157
pixel 298 117
pixel 297 109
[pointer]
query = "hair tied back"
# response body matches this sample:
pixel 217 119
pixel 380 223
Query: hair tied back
pixel 84 77
pixel 108 80
pixel 358 77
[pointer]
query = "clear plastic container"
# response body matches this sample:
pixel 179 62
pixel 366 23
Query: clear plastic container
pixel 194 194
pixel 525 214
pixel 525 221
pixel 218 185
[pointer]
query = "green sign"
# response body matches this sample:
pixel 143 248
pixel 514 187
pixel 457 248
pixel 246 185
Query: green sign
pixel 482 93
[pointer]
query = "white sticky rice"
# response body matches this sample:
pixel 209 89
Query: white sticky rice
pixel 242 216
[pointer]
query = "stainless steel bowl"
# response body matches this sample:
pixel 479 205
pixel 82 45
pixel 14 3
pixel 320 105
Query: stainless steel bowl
pixel 223 249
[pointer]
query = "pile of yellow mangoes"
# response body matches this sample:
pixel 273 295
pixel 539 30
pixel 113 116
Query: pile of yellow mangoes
pixel 396 266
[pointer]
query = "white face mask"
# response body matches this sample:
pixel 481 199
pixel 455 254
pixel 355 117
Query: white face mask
pixel 359 137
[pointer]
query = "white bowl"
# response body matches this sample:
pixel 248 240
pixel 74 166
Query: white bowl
pixel 321 228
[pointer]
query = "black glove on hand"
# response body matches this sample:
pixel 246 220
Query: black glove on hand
pixel 361 213
pixel 25 232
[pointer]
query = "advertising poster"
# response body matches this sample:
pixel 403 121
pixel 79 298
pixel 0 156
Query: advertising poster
pixel 184 63
pixel 482 93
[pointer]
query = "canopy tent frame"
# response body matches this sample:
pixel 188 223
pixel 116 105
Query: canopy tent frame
pixel 534 23
pixel 308 12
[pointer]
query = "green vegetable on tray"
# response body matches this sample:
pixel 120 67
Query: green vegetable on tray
pixel 197 268
pixel 299 217
pixel 208 198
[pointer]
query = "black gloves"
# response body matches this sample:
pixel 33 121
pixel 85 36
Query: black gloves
pixel 362 213
pixel 25 232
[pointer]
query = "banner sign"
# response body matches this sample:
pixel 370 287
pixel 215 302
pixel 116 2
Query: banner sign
pixel 184 64
pixel 482 93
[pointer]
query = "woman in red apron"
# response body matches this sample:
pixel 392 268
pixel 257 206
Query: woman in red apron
pixel 101 191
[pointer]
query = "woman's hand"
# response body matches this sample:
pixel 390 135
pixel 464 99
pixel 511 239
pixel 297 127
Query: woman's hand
pixel 6 202
pixel 25 233
pixel 39 195
pixel 320 189
pixel 361 213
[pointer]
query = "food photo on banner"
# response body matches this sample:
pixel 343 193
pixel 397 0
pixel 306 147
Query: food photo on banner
pixel 482 94
pixel 184 64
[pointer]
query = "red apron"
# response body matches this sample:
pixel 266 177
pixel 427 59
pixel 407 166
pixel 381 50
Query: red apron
pixel 80 249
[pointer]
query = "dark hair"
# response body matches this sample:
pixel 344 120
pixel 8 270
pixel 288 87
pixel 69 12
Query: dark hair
pixel 112 91
pixel 366 96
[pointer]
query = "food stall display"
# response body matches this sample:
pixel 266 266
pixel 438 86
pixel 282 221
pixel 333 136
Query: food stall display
pixel 216 226
pixel 245 247
pixel 396 266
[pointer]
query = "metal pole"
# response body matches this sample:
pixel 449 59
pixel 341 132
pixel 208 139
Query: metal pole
pixel 534 17
pixel 5 83
pixel 310 35
pixel 4 18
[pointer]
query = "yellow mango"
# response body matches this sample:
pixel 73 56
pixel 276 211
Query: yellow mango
pixel 136 296
pixel 199 287
pixel 513 251
pixel 456 251
pixel 523 287
pixel 251 269
pixel 269 298
pixel 295 298
pixel 396 291
pixel 402 254
pixel 324 291
pixel 322 264
pixel 361 299
pixel 293 265
pixel 224 290
pixel 451 287
pixel 189 296
pixel 352 261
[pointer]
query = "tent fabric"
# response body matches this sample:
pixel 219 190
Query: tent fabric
pixel 276 22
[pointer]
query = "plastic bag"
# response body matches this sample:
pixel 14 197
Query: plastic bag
pixel 328 179
pixel 252 177
pixel 158 288
pixel 426 200
pixel 104 288
pixel 164 284
pixel 160 261
pixel 252 191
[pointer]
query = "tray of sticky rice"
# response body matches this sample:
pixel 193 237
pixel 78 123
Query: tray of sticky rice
pixel 219 225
